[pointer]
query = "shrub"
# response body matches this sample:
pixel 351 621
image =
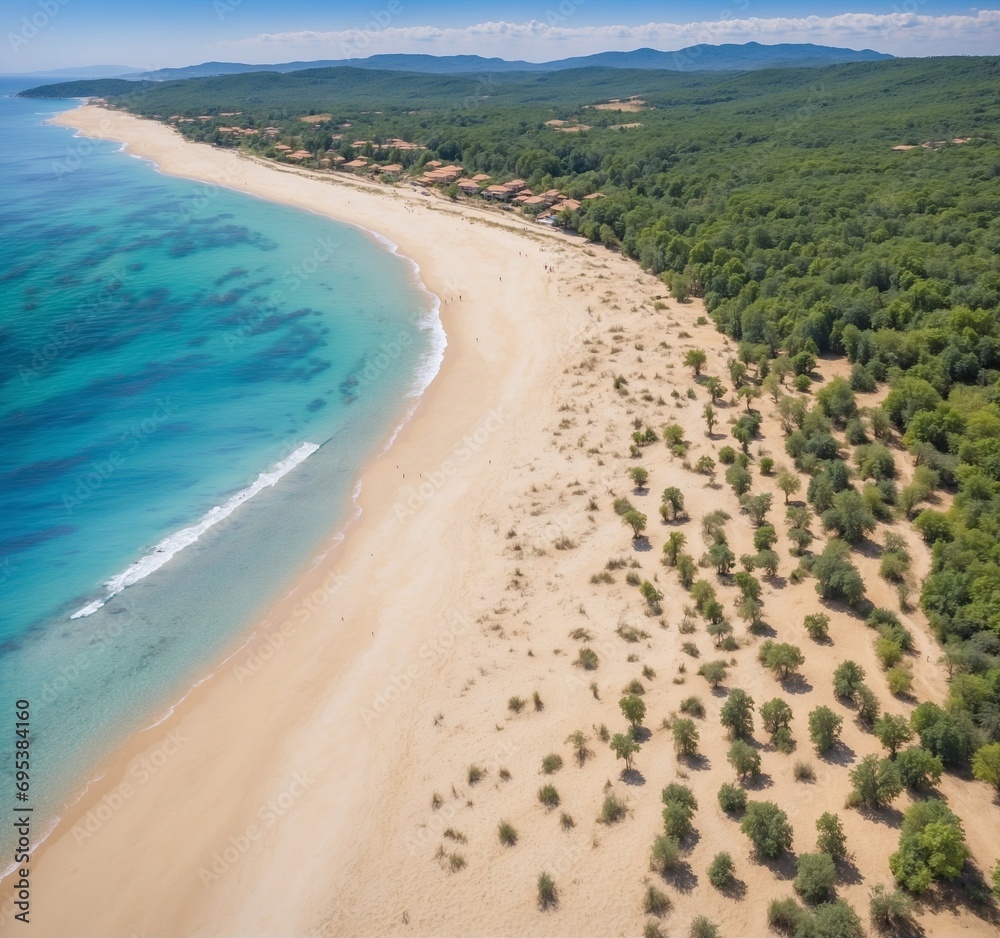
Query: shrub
pixel 868 705
pixel 814 877
pixel 784 915
pixel 830 837
pixel 737 714
pixel 548 796
pixel 507 833
pixel 548 894
pixel 836 920
pixel 578 740
pixel 744 759
pixel 586 659
pixel 824 728
pixel 720 871
pixel 804 772
pixel 732 798
pixel 677 820
pixel 817 625
pixel 613 809
pixel 553 762
pixel 566 821
pixel 655 901
pixel 515 704
pixel 676 793
pixel 767 827
pixel 890 912
pixel 900 681
pixel 693 706
pixel 665 853
pixel 475 774
pixel 836 576
pixel 701 927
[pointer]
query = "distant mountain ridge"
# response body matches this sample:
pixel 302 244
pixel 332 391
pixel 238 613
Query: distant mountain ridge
pixel 749 56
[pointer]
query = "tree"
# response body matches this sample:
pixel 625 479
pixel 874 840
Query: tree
pixel 815 877
pixel 715 388
pixel 721 557
pixel 732 799
pixel 737 714
pixel 636 520
pixel 780 658
pixel 836 920
pixel 768 829
pixel 850 516
pixel 714 672
pixel 918 768
pixel 986 765
pixel 756 506
pixel 848 676
pixel 672 547
pixel 837 400
pixel 775 714
pixel 824 728
pixel 695 359
pixel 685 737
pixel 720 871
pixel 744 759
pixel 788 482
pixel 739 478
pixel 749 393
pixel 634 709
pixel 765 536
pixel 876 782
pixel 748 585
pixel 892 732
pixel 931 846
pixel 578 740
pixel 711 418
pixel 624 747
pixel 673 500
pixel 869 708
pixel 639 477
pixel 836 576
pixel 677 820
pixel 830 837
pixel 768 561
pixel 817 624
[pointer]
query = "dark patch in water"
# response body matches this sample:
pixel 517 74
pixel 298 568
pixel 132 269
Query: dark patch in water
pixel 315 404
pixel 14 545
pixel 197 341
pixel 231 274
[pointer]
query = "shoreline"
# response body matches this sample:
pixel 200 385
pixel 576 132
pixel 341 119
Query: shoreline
pixel 54 859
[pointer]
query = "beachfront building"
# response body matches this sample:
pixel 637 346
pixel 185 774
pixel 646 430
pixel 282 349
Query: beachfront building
pixel 498 193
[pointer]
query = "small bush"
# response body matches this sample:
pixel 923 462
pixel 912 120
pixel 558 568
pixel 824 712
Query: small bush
pixel 655 901
pixel 548 894
pixel 515 704
pixel 720 871
pixel 504 775
pixel 890 912
pixel 693 706
pixel 455 835
pixel 784 915
pixel 665 853
pixel 732 798
pixel 701 927
pixel 804 772
pixel 548 796
pixel 587 659
pixel 553 762
pixel 613 809
pixel 815 877
pixel 507 833
pixel 537 699
pixel 475 774
pixel 566 821
pixel 456 862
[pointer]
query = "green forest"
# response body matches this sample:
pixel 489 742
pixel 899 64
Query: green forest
pixel 776 196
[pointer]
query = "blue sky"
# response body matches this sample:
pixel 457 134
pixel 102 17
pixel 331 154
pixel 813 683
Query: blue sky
pixel 40 34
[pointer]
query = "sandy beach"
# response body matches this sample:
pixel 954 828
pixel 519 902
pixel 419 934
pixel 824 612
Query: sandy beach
pixel 319 783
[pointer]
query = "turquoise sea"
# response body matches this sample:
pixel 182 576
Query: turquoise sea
pixel 190 381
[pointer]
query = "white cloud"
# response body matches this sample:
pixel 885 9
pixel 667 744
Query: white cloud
pixel 901 33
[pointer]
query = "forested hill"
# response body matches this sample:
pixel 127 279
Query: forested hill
pixel 852 209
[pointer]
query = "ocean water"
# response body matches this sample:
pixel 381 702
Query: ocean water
pixel 190 381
